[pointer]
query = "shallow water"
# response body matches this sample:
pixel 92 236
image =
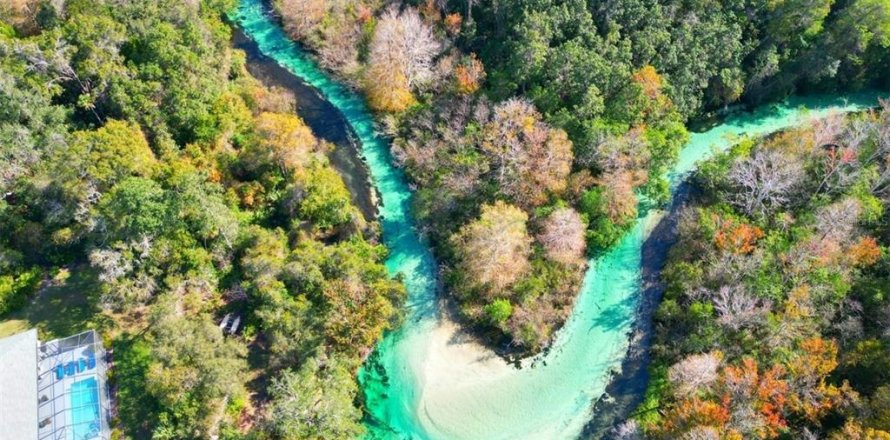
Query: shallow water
pixel 422 382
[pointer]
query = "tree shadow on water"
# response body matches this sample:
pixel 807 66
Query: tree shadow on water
pixel 626 389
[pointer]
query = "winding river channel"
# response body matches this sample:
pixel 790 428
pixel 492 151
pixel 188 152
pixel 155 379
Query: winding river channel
pixel 429 381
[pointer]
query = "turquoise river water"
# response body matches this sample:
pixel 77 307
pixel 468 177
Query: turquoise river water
pixel 424 381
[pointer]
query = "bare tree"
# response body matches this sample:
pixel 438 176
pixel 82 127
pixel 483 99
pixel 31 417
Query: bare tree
pixel 530 157
pixel 737 308
pixel 404 42
pixel 340 49
pixel 563 236
pixel 702 433
pixel 838 221
pixel 694 373
pixel 765 181
pixel 300 17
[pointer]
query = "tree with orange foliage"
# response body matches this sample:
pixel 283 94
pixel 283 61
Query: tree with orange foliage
pixel 649 79
pixel 811 396
pixel 468 75
pixel 736 237
pixel 865 252
pixel 453 23
pixel 283 140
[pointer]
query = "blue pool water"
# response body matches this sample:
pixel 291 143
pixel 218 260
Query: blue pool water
pixel 84 410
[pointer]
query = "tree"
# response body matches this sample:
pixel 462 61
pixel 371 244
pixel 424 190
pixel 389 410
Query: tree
pixel 301 17
pixel 765 182
pixel 493 250
pixel 31 128
pixel 356 315
pixel 125 272
pixel 531 159
pixel 194 372
pixel 563 236
pixel 135 207
pixel 315 402
pixel 695 373
pixel 322 198
pixel 400 59
pixel 284 141
pixel 737 308
pixel 469 74
pixel 499 311
pixel 735 237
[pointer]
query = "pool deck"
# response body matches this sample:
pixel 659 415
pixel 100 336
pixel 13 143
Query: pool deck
pixel 57 419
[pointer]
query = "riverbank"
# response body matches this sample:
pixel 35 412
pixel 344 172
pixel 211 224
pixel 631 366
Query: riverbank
pixel 427 380
pixel 325 120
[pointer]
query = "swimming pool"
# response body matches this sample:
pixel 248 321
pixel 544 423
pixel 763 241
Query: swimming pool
pixel 84 410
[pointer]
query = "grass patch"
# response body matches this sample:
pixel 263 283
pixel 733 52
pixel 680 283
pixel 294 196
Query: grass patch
pixel 69 305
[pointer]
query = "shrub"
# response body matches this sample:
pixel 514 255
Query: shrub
pixel 15 290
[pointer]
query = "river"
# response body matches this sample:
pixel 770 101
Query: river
pixel 428 380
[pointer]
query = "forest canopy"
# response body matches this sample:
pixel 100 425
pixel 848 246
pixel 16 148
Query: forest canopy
pixel 138 153
pixel 774 319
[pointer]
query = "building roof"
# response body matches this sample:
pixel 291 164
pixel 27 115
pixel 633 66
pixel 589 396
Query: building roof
pixel 18 386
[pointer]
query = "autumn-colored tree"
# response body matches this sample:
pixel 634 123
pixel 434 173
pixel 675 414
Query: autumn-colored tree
pixel 494 249
pixel 531 158
pixel 764 392
pixel 284 141
pixel 21 14
pixel 300 17
pixel 453 23
pixel 356 317
pixel 811 395
pixel 736 237
pixel 853 430
pixel 619 197
pixel 563 236
pixel 865 252
pixel 649 79
pixel 400 59
pixel 469 74
pixel 387 89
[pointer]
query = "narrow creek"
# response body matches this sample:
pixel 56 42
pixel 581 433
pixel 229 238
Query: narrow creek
pixel 427 380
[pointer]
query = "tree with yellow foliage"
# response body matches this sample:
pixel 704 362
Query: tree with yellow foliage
pixel 494 249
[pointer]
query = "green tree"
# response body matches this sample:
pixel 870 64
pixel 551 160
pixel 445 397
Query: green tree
pixel 315 401
pixel 194 372
pixel 135 207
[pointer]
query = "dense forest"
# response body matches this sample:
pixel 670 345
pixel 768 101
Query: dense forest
pixel 535 131
pixel 775 316
pixel 139 155
pixel 141 159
